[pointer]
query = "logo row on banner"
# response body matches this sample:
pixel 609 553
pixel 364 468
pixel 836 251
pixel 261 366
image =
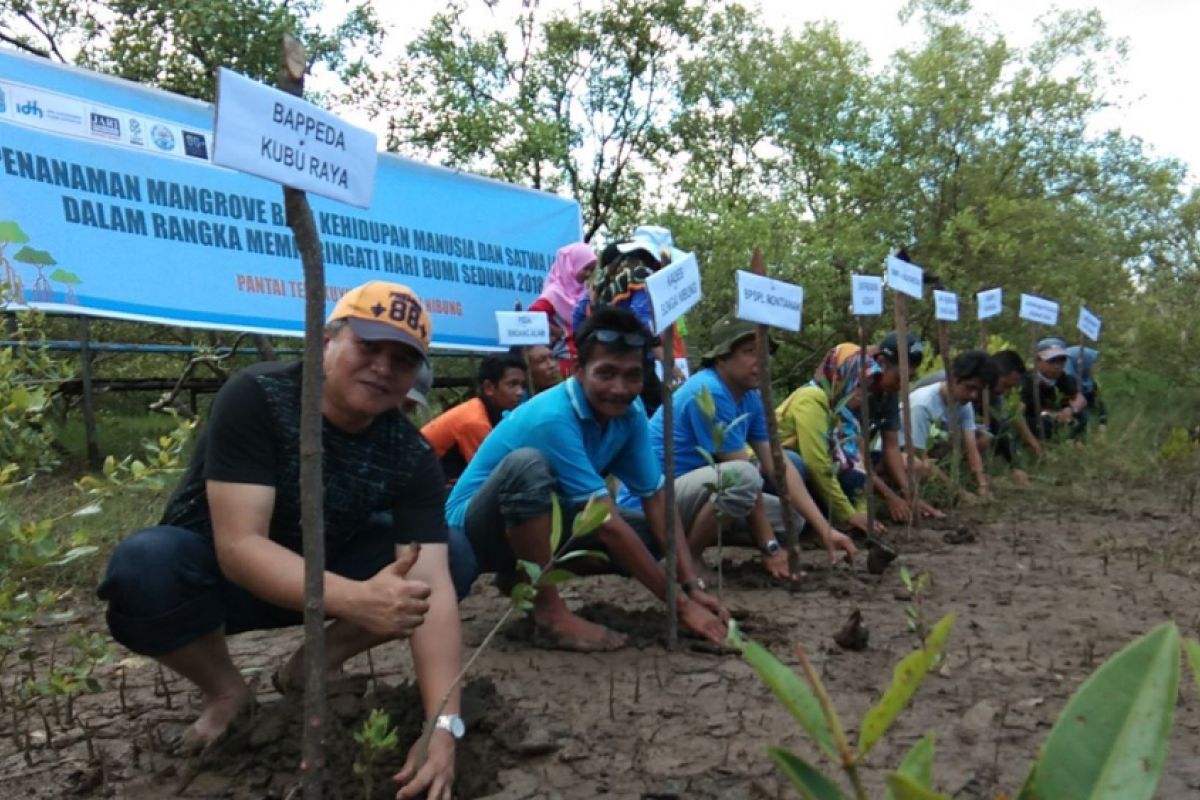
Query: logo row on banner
pixel 766 301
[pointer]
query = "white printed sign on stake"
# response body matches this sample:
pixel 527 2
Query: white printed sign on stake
pixel 283 138
pixel 1089 324
pixel 945 306
pixel 673 291
pixel 1039 310
pixel 866 295
pixel 904 277
pixel 769 302
pixel 990 303
pixel 523 328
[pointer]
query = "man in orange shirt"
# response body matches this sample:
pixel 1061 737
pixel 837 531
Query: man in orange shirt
pixel 457 433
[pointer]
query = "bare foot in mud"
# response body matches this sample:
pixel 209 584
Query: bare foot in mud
pixel 216 718
pixel 566 631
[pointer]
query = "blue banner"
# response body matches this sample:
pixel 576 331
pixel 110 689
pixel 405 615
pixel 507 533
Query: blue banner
pixel 109 206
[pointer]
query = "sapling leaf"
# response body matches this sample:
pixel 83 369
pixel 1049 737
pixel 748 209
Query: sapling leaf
pixel 705 401
pixel 1110 741
pixel 555 523
pixel 917 765
pixel 788 687
pixel 906 677
pixel 74 554
pixel 554 577
pixel 1191 649
pixel 809 781
pixel 565 557
pixel 903 787
pixel 594 514
pixel 707 456
pixel 532 570
pixel 522 594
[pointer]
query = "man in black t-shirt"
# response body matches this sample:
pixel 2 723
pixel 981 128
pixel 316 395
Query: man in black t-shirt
pixel 225 557
pixel 1062 404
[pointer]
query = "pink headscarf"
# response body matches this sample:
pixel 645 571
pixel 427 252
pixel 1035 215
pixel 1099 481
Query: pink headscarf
pixel 562 288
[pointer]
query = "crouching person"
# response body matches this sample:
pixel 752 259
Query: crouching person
pixel 565 441
pixel 226 556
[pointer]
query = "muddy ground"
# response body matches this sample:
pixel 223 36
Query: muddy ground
pixel 1043 596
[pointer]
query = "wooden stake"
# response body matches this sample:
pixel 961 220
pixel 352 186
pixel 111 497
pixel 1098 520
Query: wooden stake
pixel 89 399
pixel 864 415
pixel 1039 430
pixel 956 443
pixel 791 537
pixel 987 390
pixel 910 494
pixel 312 511
pixel 668 411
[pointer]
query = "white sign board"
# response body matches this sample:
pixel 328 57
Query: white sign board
pixel 905 277
pixel 1089 324
pixel 1038 309
pixel 272 134
pixel 673 291
pixel 945 305
pixel 523 327
pixel 866 295
pixel 769 302
pixel 990 302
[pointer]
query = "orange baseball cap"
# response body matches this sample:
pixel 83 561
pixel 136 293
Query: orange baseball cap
pixel 382 311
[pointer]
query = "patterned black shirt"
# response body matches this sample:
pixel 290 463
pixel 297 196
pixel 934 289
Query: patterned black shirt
pixel 253 436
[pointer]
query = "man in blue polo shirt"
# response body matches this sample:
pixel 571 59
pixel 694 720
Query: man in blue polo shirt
pixel 729 376
pixel 565 441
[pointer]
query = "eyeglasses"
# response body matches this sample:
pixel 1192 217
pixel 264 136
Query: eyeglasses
pixel 609 336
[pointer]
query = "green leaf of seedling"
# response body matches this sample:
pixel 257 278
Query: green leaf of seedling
pixel 789 688
pixel 555 523
pixel 522 594
pixel 906 677
pixel 917 765
pixel 1111 740
pixel 705 401
pixel 565 557
pixel 738 420
pixel 707 456
pixel 906 578
pixel 554 577
pixel 594 514
pixel 810 782
pixel 903 787
pixel 1191 649
pixel 531 570
pixel 74 554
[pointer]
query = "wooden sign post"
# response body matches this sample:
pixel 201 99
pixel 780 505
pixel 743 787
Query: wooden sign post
pixel 945 312
pixel 989 303
pixel 866 300
pixel 906 280
pixel 1038 311
pixel 760 300
pixel 244 111
pixel 673 290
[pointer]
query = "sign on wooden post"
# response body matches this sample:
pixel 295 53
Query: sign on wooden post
pixel 769 302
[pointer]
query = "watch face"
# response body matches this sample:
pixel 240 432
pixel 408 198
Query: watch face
pixel 453 724
pixel 772 547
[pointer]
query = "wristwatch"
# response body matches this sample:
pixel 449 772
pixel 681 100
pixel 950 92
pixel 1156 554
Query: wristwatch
pixel 694 584
pixel 451 724
pixel 771 548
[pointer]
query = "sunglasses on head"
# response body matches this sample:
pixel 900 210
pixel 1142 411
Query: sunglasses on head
pixel 609 336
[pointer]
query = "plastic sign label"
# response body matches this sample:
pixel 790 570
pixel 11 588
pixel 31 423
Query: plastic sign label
pixel 1039 309
pixel 272 134
pixel 769 302
pixel 673 290
pixel 866 295
pixel 523 327
pixel 1089 324
pixel 904 277
pixel 945 305
pixel 990 303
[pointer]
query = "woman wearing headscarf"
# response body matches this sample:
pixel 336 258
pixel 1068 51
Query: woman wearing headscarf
pixel 1081 365
pixel 565 285
pixel 820 422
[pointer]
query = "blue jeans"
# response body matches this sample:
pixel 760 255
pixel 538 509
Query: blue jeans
pixel 165 588
pixel 518 490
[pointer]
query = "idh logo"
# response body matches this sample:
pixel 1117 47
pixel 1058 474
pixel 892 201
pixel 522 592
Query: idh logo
pixel 30 109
